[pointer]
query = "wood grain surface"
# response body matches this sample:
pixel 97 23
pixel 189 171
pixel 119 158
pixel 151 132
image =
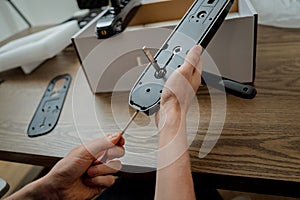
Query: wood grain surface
pixel 260 140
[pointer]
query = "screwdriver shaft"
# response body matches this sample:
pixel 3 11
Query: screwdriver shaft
pixel 160 72
pixel 129 122
pixel 151 59
pixel 103 158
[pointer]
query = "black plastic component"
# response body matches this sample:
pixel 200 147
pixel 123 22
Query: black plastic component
pixel 47 114
pixel 116 19
pixel 240 90
pixel 231 87
pixel 4 187
pixel 89 17
pixel 198 26
pixel 91 4
pixel 84 19
pixel 116 3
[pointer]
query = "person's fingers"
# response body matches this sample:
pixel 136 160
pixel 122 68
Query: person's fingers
pixel 192 58
pixel 101 181
pixel 121 142
pixel 115 152
pixel 110 154
pixel 93 149
pixel 198 68
pixel 196 80
pixel 200 63
pixel 108 168
pixel 193 62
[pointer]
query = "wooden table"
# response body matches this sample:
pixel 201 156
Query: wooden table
pixel 259 148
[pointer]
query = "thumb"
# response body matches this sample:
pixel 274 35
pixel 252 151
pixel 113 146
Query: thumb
pixel 193 57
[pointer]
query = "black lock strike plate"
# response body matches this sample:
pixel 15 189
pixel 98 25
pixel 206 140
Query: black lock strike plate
pixel 47 114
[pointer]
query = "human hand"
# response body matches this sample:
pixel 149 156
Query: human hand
pixel 181 86
pixel 173 156
pixel 81 174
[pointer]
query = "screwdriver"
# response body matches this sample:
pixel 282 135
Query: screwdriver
pixel 160 72
pixel 130 121
pixel 103 158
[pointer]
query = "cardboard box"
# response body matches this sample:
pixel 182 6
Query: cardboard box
pixel 114 64
pixel 166 11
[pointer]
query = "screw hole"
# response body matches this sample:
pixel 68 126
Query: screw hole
pixel 148 90
pixel 177 50
pixel 50 124
pixel 201 14
pixel 32 128
pixel 178 66
pixel 160 91
pixel 245 89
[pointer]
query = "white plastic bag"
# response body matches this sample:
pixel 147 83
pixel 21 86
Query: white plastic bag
pixel 281 13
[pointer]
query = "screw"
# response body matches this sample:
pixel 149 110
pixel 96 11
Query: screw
pixel 160 72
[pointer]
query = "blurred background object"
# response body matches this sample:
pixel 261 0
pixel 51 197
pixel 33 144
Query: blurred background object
pixel 280 13
pixel 59 20
pixel 4 187
pixel 38 13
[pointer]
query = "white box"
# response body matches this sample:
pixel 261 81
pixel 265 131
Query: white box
pixel 119 60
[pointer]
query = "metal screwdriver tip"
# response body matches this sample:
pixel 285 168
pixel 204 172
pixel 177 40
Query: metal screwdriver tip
pixel 129 122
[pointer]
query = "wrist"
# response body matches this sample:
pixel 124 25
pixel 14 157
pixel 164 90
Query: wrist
pixel 172 135
pixel 46 187
pixel 43 189
pixel 36 190
pixel 169 116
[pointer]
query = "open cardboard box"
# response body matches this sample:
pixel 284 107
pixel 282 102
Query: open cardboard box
pixel 119 60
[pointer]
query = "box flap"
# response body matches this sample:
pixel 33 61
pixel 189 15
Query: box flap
pixel 164 11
